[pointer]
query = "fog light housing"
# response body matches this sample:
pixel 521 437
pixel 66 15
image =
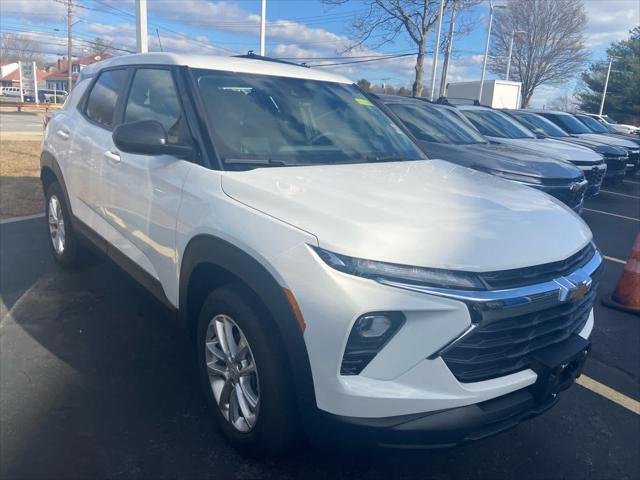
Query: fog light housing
pixel 369 334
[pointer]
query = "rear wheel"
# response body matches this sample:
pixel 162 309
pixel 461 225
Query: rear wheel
pixel 244 373
pixel 62 237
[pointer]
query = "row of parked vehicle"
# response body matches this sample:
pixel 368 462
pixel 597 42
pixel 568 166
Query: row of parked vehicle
pixel 45 95
pixel 567 156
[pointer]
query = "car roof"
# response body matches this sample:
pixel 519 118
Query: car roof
pixel 539 110
pixel 214 62
pixel 386 98
pixel 473 107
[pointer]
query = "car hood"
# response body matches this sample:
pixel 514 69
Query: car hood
pixel 602 148
pixel 629 138
pixel 552 148
pixel 616 142
pixel 504 158
pixel 426 213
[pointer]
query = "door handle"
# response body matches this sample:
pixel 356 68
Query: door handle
pixel 63 134
pixel 113 156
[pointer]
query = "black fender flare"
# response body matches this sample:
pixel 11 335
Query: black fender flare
pixel 49 162
pixel 207 249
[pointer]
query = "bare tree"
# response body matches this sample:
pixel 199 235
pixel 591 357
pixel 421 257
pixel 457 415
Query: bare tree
pixel 564 103
pixel 16 47
pixel 551 48
pixel 385 20
pixel 99 46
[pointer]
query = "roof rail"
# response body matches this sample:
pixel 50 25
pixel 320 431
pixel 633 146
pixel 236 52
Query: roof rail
pixel 253 56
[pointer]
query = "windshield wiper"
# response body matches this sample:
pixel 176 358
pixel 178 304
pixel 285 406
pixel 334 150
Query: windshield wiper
pixel 256 162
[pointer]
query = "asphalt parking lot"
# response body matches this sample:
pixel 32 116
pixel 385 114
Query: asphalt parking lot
pixel 96 381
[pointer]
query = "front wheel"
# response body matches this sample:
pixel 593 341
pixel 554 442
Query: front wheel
pixel 244 373
pixel 63 240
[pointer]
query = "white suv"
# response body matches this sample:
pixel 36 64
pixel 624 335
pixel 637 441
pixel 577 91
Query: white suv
pixel 332 277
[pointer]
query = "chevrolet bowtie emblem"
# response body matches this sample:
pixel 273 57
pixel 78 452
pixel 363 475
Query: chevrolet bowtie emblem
pixel 574 287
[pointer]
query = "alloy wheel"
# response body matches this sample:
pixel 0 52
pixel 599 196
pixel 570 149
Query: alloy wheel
pixel 232 373
pixel 56 225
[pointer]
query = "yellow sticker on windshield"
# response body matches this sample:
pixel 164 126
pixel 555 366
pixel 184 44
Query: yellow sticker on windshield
pixel 364 101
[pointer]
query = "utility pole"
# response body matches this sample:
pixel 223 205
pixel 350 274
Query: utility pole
pixel 604 91
pixel 447 55
pixel 263 26
pixel 435 53
pixel 69 43
pixel 142 39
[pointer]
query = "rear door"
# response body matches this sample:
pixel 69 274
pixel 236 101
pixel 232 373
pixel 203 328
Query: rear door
pixel 91 142
pixel 144 191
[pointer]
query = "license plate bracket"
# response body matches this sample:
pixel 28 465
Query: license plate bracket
pixel 559 365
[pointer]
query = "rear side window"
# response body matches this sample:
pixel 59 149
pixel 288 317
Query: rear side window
pixel 153 96
pixel 101 104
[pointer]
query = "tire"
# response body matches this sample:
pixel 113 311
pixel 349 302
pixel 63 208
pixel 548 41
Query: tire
pixel 63 240
pixel 267 393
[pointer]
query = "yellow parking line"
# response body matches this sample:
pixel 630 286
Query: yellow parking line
pixel 612 214
pixel 613 259
pixel 609 393
pixel 621 194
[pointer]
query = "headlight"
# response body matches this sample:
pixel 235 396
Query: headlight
pixel 401 273
pixel 515 177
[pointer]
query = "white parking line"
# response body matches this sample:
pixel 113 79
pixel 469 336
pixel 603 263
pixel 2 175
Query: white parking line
pixel 21 219
pixel 631 181
pixel 612 214
pixel 609 393
pixel 613 259
pixel 620 194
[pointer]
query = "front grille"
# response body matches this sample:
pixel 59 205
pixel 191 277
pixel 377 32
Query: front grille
pixel 508 345
pixel 572 199
pixel 616 163
pixel 521 277
pixel 634 159
pixel 594 177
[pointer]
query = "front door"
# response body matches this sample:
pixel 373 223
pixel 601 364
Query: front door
pixel 145 190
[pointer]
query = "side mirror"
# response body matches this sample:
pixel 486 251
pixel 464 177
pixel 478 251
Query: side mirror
pixel 147 137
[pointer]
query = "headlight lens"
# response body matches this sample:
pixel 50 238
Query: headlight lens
pixel 401 273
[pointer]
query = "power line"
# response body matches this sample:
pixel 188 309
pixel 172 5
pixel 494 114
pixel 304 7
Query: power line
pixel 387 57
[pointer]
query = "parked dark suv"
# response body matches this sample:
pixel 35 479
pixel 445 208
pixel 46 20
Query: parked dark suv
pixel 442 134
pixel 616 158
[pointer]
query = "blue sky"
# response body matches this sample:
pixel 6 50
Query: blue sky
pixel 295 29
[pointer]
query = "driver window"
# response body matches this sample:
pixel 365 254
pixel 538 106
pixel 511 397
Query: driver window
pixel 153 96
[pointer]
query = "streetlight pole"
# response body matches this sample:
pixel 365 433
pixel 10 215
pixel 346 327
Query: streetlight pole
pixel 513 35
pixel 486 48
pixel 435 53
pixel 604 91
pixel 263 26
pixel 142 39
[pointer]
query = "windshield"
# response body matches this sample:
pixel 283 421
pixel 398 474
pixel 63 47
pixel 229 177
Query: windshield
pixel 568 123
pixel 260 120
pixel 592 124
pixel 538 124
pixel 433 124
pixel 496 124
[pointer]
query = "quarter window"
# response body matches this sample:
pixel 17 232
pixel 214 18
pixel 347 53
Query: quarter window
pixel 101 105
pixel 153 96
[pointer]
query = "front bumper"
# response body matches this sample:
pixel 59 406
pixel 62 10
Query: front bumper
pixel 445 428
pixel 409 376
